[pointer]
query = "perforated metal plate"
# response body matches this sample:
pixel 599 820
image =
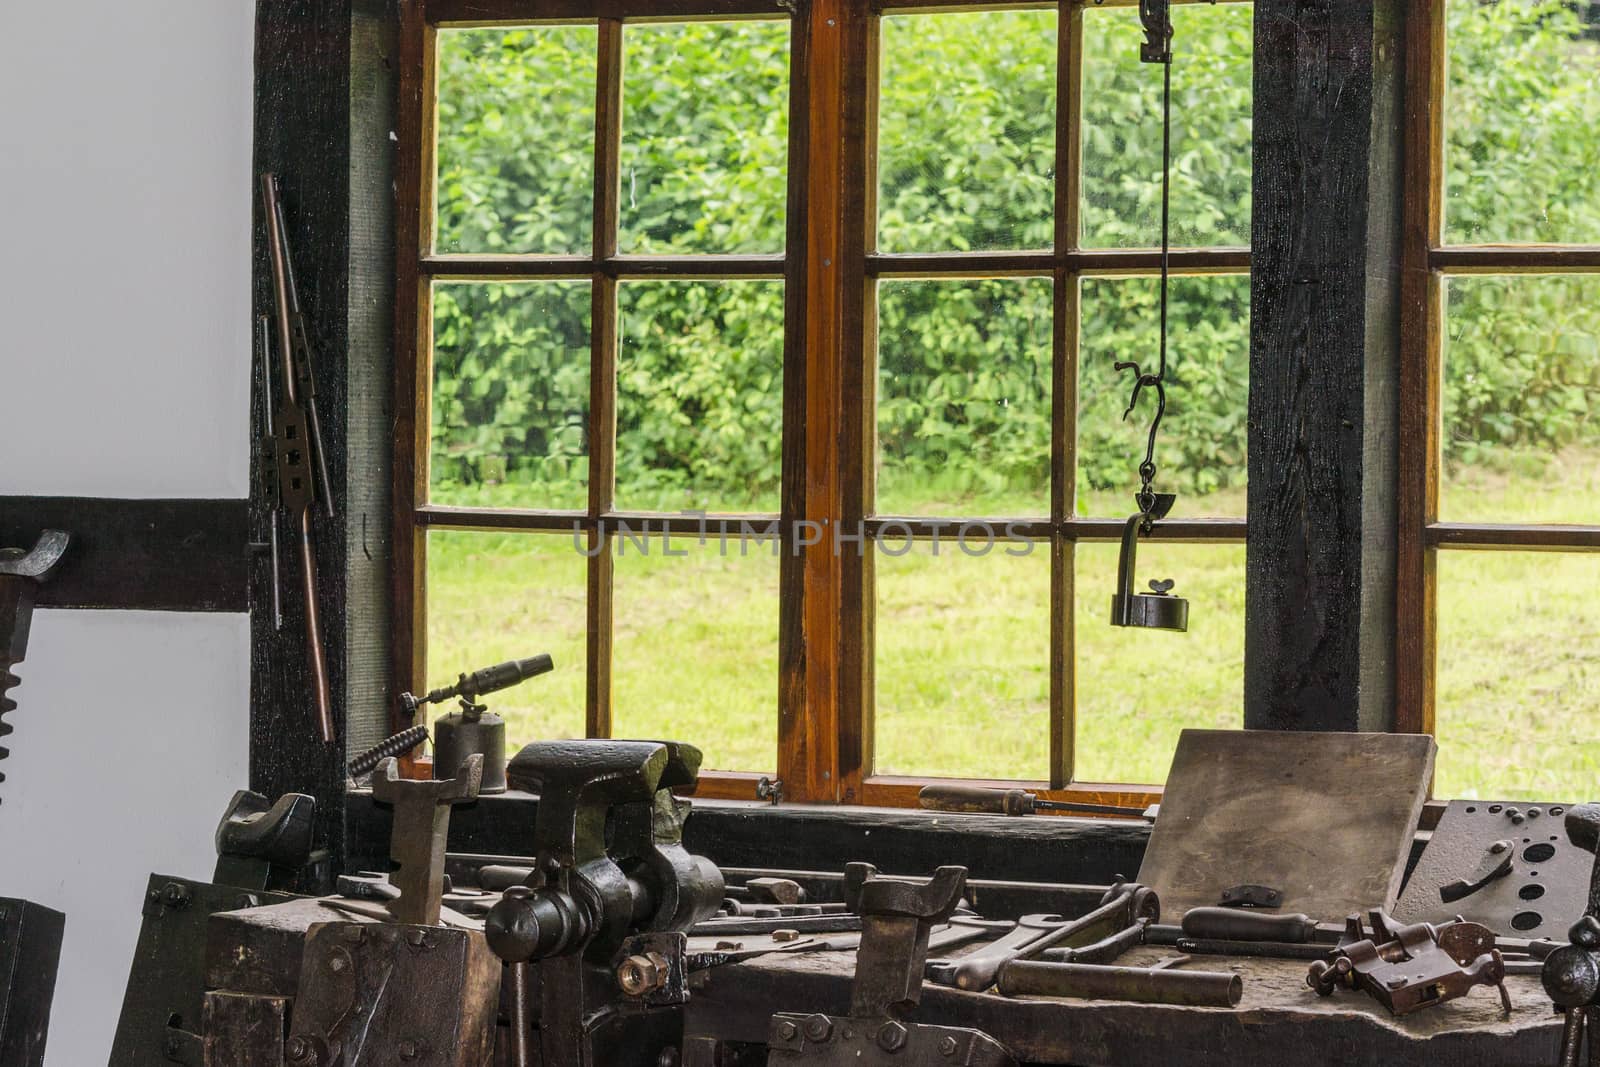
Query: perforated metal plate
pixel 1543 894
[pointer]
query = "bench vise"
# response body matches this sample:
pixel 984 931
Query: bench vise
pixel 599 925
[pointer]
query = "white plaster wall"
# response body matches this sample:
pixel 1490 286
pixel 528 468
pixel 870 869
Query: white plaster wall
pixel 124 292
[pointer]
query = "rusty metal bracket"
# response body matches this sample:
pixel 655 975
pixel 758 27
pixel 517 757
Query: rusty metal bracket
pixel 1408 968
pixel 417 841
pixel 897 919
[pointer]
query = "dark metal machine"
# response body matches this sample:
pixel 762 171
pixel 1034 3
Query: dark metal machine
pixel 30 951
pixel 300 485
pixel 1571 974
pixel 30 935
pixel 20 576
pixel 602 913
pixel 897 917
pixel 472 729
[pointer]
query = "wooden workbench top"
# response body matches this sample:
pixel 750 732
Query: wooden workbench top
pixel 1278 1022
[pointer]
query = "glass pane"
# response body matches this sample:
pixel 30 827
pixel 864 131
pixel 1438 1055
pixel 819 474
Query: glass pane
pixel 696 648
pixel 967 138
pixel 1521 400
pixel 516 140
pixel 705 137
pixel 1200 451
pixel 700 396
pixel 1522 122
pixel 1518 704
pixel 511 395
pixel 1212 50
pixel 1138 689
pixel 494 597
pixel 964 397
pixel 963 657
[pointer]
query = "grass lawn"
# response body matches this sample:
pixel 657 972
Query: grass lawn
pixel 963 645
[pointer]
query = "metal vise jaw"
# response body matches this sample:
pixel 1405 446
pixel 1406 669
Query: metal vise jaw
pixel 603 921
pixel 897 917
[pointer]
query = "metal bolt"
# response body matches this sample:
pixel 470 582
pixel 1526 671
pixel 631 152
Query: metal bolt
pixel 891 1036
pixel 416 938
pixel 1396 983
pixel 947 1046
pixel 1498 847
pixel 643 973
pixel 818 1028
pixel 729 946
pixel 787 1030
pixel 1534 813
pixel 786 935
pixel 337 964
pixel 299 1050
pixel 175 895
pixel 406 1050
pixel 668 1057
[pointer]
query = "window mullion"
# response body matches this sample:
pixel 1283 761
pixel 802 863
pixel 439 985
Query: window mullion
pixel 604 329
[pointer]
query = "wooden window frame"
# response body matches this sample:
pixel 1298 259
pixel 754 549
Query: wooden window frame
pixel 1426 262
pixel 830 268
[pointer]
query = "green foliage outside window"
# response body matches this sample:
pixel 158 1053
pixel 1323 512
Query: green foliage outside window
pixel 705 135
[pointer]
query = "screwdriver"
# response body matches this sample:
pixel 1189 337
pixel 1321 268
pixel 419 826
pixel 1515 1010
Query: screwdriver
pixel 983 800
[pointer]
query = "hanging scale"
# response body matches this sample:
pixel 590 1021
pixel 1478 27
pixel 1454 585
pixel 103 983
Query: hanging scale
pixel 1157 609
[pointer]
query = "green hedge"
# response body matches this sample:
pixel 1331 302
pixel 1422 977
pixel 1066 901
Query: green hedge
pixel 966 162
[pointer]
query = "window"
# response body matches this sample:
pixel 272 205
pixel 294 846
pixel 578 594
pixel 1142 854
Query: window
pixel 1500 444
pixel 763 373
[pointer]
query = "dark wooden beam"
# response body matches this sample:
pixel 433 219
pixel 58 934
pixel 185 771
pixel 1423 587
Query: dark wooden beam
pixel 147 555
pixel 324 108
pixel 1323 365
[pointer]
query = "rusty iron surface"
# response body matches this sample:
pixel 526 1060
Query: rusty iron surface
pixel 1325 818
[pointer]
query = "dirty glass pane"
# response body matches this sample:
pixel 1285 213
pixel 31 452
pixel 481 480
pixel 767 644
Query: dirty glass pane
pixel 1521 439
pixel 963 657
pixel 705 137
pixel 516 139
pixel 498 596
pixel 1139 689
pixel 700 396
pixel 1201 449
pixel 510 395
pixel 964 397
pixel 1522 122
pixel 1213 46
pixel 966 135
pixel 1518 684
pixel 696 646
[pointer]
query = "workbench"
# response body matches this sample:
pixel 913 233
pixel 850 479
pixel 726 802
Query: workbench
pixel 1279 1021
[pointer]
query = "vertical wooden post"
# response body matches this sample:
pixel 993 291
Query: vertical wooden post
pixel 1324 359
pixel 325 99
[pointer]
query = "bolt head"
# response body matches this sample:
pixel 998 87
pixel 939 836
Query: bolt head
pixel 337 964
pixel 818 1028
pixel 406 1050
pixel 787 1030
pixel 892 1036
pixel 786 935
pixel 299 1050
pixel 947 1046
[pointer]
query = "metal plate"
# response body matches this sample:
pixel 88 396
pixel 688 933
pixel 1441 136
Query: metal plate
pixel 168 973
pixel 1327 818
pixel 1545 892
pixel 30 950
